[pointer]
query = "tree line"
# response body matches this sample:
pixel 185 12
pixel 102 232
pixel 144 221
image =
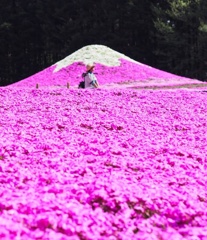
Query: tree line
pixel 167 34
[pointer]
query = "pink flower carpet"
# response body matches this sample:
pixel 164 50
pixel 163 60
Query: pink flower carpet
pixel 108 163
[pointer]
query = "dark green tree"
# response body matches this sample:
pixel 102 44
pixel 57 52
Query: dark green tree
pixel 170 35
pixel 179 37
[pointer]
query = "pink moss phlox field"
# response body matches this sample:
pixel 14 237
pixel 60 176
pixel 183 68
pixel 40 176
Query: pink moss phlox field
pixel 103 164
pixel 127 71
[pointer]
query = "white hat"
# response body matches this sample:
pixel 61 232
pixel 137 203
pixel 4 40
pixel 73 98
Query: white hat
pixel 90 66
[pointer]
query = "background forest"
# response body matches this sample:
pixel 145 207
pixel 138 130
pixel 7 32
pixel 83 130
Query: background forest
pixel 168 34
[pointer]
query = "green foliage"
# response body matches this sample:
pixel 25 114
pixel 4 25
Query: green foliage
pixel 203 28
pixel 181 34
pixel 169 34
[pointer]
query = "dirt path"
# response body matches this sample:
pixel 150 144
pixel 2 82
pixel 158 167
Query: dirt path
pixel 191 86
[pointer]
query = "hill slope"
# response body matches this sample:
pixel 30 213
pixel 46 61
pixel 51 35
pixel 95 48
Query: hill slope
pixel 112 67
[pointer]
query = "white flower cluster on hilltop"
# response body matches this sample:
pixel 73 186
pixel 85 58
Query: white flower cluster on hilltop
pixel 93 54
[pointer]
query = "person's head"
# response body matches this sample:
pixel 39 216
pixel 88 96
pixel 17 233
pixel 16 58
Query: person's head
pixel 90 67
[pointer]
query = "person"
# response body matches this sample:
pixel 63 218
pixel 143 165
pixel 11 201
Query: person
pixel 89 77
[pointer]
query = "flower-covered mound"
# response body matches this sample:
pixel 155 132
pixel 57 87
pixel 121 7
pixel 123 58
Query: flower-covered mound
pixel 103 164
pixel 111 68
